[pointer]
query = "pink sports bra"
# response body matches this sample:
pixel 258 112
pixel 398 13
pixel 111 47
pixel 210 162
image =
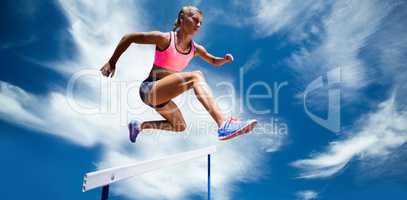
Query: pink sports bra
pixel 170 58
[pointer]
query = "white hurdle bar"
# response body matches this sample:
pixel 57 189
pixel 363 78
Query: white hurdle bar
pixel 103 178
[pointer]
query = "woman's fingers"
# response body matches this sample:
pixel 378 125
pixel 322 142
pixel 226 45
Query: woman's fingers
pixel 228 57
pixel 113 71
pixel 107 70
pixel 104 72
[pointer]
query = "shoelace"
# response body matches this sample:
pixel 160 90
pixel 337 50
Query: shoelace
pixel 229 121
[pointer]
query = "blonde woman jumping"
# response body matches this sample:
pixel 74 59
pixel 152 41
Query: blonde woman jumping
pixel 174 50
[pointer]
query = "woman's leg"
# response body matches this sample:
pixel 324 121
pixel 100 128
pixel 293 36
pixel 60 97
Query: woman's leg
pixel 175 84
pixel 171 86
pixel 174 121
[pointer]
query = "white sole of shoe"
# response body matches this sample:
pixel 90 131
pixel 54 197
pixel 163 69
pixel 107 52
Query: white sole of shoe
pixel 246 129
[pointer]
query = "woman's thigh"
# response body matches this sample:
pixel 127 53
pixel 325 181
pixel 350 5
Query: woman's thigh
pixel 171 86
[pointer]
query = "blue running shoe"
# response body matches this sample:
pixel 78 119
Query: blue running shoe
pixel 134 130
pixel 232 128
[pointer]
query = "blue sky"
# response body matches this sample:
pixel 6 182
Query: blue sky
pixel 59 121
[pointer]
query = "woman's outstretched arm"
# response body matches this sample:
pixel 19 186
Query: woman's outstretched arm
pixel 211 59
pixel 154 37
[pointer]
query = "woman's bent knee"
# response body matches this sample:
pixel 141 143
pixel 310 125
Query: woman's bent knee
pixel 196 77
pixel 197 74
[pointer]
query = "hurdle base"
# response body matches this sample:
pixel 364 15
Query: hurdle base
pixel 105 192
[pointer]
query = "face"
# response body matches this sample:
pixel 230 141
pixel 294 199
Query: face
pixel 191 22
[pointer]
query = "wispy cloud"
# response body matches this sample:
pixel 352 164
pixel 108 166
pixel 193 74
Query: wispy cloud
pixel 252 63
pixel 95 110
pixel 343 34
pixel 381 132
pixel 268 17
pixel 21 43
pixel 271 16
pixel 388 51
pixel 306 195
pixel 374 28
pixel 326 34
pixel 341 31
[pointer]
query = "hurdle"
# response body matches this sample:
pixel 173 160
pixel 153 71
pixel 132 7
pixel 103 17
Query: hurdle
pixel 103 178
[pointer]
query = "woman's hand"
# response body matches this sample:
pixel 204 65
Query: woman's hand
pixel 228 57
pixel 108 69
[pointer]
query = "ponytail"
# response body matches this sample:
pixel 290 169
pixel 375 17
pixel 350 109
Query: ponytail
pixel 176 22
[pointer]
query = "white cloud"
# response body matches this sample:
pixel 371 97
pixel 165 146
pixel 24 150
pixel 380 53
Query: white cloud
pixel 8 96
pixel 307 195
pixel 98 110
pixel 271 16
pixel 381 132
pixel 268 17
pixel 389 51
pixel 329 34
pixel 21 43
pixel 351 27
pixel 52 114
pixel 345 32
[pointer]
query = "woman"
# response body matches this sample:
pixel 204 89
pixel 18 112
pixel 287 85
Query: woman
pixel 166 80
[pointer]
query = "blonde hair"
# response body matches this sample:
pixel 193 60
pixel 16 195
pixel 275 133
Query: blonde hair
pixel 184 9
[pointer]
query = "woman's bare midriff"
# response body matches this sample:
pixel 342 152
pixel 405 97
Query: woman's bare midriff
pixel 158 73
